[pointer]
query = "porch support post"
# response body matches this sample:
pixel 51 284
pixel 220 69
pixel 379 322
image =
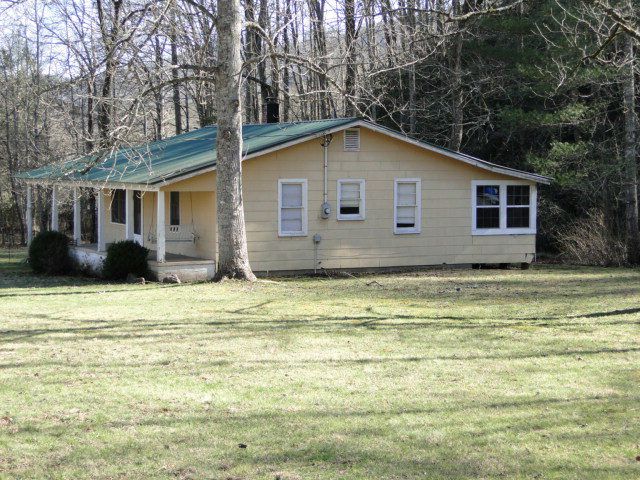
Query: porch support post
pixel 160 230
pixel 129 215
pixel 29 215
pixel 77 229
pixel 102 246
pixel 55 225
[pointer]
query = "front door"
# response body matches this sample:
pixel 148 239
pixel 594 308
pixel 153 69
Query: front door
pixel 137 216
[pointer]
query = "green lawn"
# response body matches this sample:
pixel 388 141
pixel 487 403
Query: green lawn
pixel 443 374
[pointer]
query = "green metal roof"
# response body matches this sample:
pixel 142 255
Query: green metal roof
pixel 164 160
pixel 158 161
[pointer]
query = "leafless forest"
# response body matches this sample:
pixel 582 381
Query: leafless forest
pixel 544 85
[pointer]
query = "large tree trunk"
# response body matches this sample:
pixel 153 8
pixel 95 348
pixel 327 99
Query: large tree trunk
pixel 233 258
pixel 630 161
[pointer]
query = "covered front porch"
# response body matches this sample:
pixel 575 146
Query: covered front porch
pixel 178 227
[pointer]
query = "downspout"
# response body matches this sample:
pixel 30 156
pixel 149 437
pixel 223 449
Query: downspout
pixel 326 208
pixel 325 194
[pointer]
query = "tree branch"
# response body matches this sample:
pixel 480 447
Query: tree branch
pixel 624 22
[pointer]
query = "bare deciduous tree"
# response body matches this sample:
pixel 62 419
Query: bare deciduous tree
pixel 233 257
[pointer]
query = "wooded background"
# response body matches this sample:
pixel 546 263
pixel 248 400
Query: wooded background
pixel 540 85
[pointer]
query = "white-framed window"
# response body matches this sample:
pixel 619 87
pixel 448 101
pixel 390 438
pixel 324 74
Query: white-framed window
pixel 503 207
pixel 292 207
pixel 351 199
pixel 407 205
pixel 352 140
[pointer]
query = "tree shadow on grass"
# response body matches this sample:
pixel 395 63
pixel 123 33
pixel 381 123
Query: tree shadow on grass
pixel 381 441
pixel 111 288
pixel 254 324
pixel 624 311
pixel 303 363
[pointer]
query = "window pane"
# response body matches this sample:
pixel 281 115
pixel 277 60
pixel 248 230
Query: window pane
pixel 118 206
pixel 291 195
pixel 488 195
pixel 407 194
pixel 518 217
pixel 291 220
pixel 114 207
pixel 488 217
pixel 349 191
pixel 137 213
pixel 518 195
pixel 349 210
pixel 174 208
pixel 350 198
pixel 406 217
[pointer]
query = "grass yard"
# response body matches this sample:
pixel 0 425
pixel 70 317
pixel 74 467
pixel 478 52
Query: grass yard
pixel 444 374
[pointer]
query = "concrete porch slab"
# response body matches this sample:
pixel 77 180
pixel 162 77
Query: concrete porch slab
pixel 191 270
pixel 187 269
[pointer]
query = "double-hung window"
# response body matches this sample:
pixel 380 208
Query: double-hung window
pixel 292 207
pixel 407 205
pixel 118 206
pixel 518 206
pixel 351 199
pixel 503 207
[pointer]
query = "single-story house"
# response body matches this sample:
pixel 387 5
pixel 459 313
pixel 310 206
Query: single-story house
pixel 330 194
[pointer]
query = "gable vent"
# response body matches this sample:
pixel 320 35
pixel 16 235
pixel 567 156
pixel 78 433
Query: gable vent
pixel 352 140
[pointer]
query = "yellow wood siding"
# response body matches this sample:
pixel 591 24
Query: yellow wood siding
pixel 446 209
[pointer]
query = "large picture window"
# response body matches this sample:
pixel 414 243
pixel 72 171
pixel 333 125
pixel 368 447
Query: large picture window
pixel 118 206
pixel 503 207
pixel 292 207
pixel 351 198
pixel 407 208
